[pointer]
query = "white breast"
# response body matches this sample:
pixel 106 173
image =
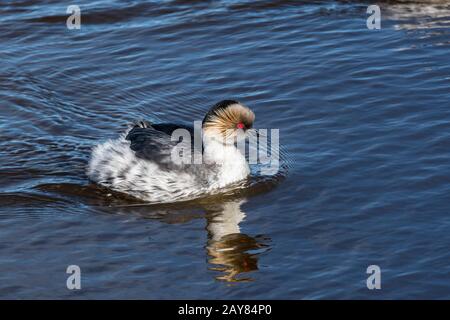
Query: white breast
pixel 232 163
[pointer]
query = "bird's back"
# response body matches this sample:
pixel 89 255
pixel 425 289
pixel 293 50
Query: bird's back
pixel 140 164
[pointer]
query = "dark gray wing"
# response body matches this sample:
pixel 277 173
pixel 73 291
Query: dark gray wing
pixel 153 142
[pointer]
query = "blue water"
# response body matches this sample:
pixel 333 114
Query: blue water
pixel 364 123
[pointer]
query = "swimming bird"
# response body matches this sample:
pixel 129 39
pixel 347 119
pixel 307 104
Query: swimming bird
pixel 143 162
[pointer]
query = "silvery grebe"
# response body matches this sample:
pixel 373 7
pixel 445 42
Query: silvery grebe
pixel 140 163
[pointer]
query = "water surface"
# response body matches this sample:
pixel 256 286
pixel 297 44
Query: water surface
pixel 364 120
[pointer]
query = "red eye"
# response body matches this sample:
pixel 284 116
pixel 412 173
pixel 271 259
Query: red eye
pixel 240 125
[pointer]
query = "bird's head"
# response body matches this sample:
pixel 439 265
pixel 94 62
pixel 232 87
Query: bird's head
pixel 227 121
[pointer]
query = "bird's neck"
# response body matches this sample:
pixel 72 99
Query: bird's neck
pixel 231 162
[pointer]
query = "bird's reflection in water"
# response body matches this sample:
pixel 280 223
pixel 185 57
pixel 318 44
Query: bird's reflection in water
pixel 231 252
